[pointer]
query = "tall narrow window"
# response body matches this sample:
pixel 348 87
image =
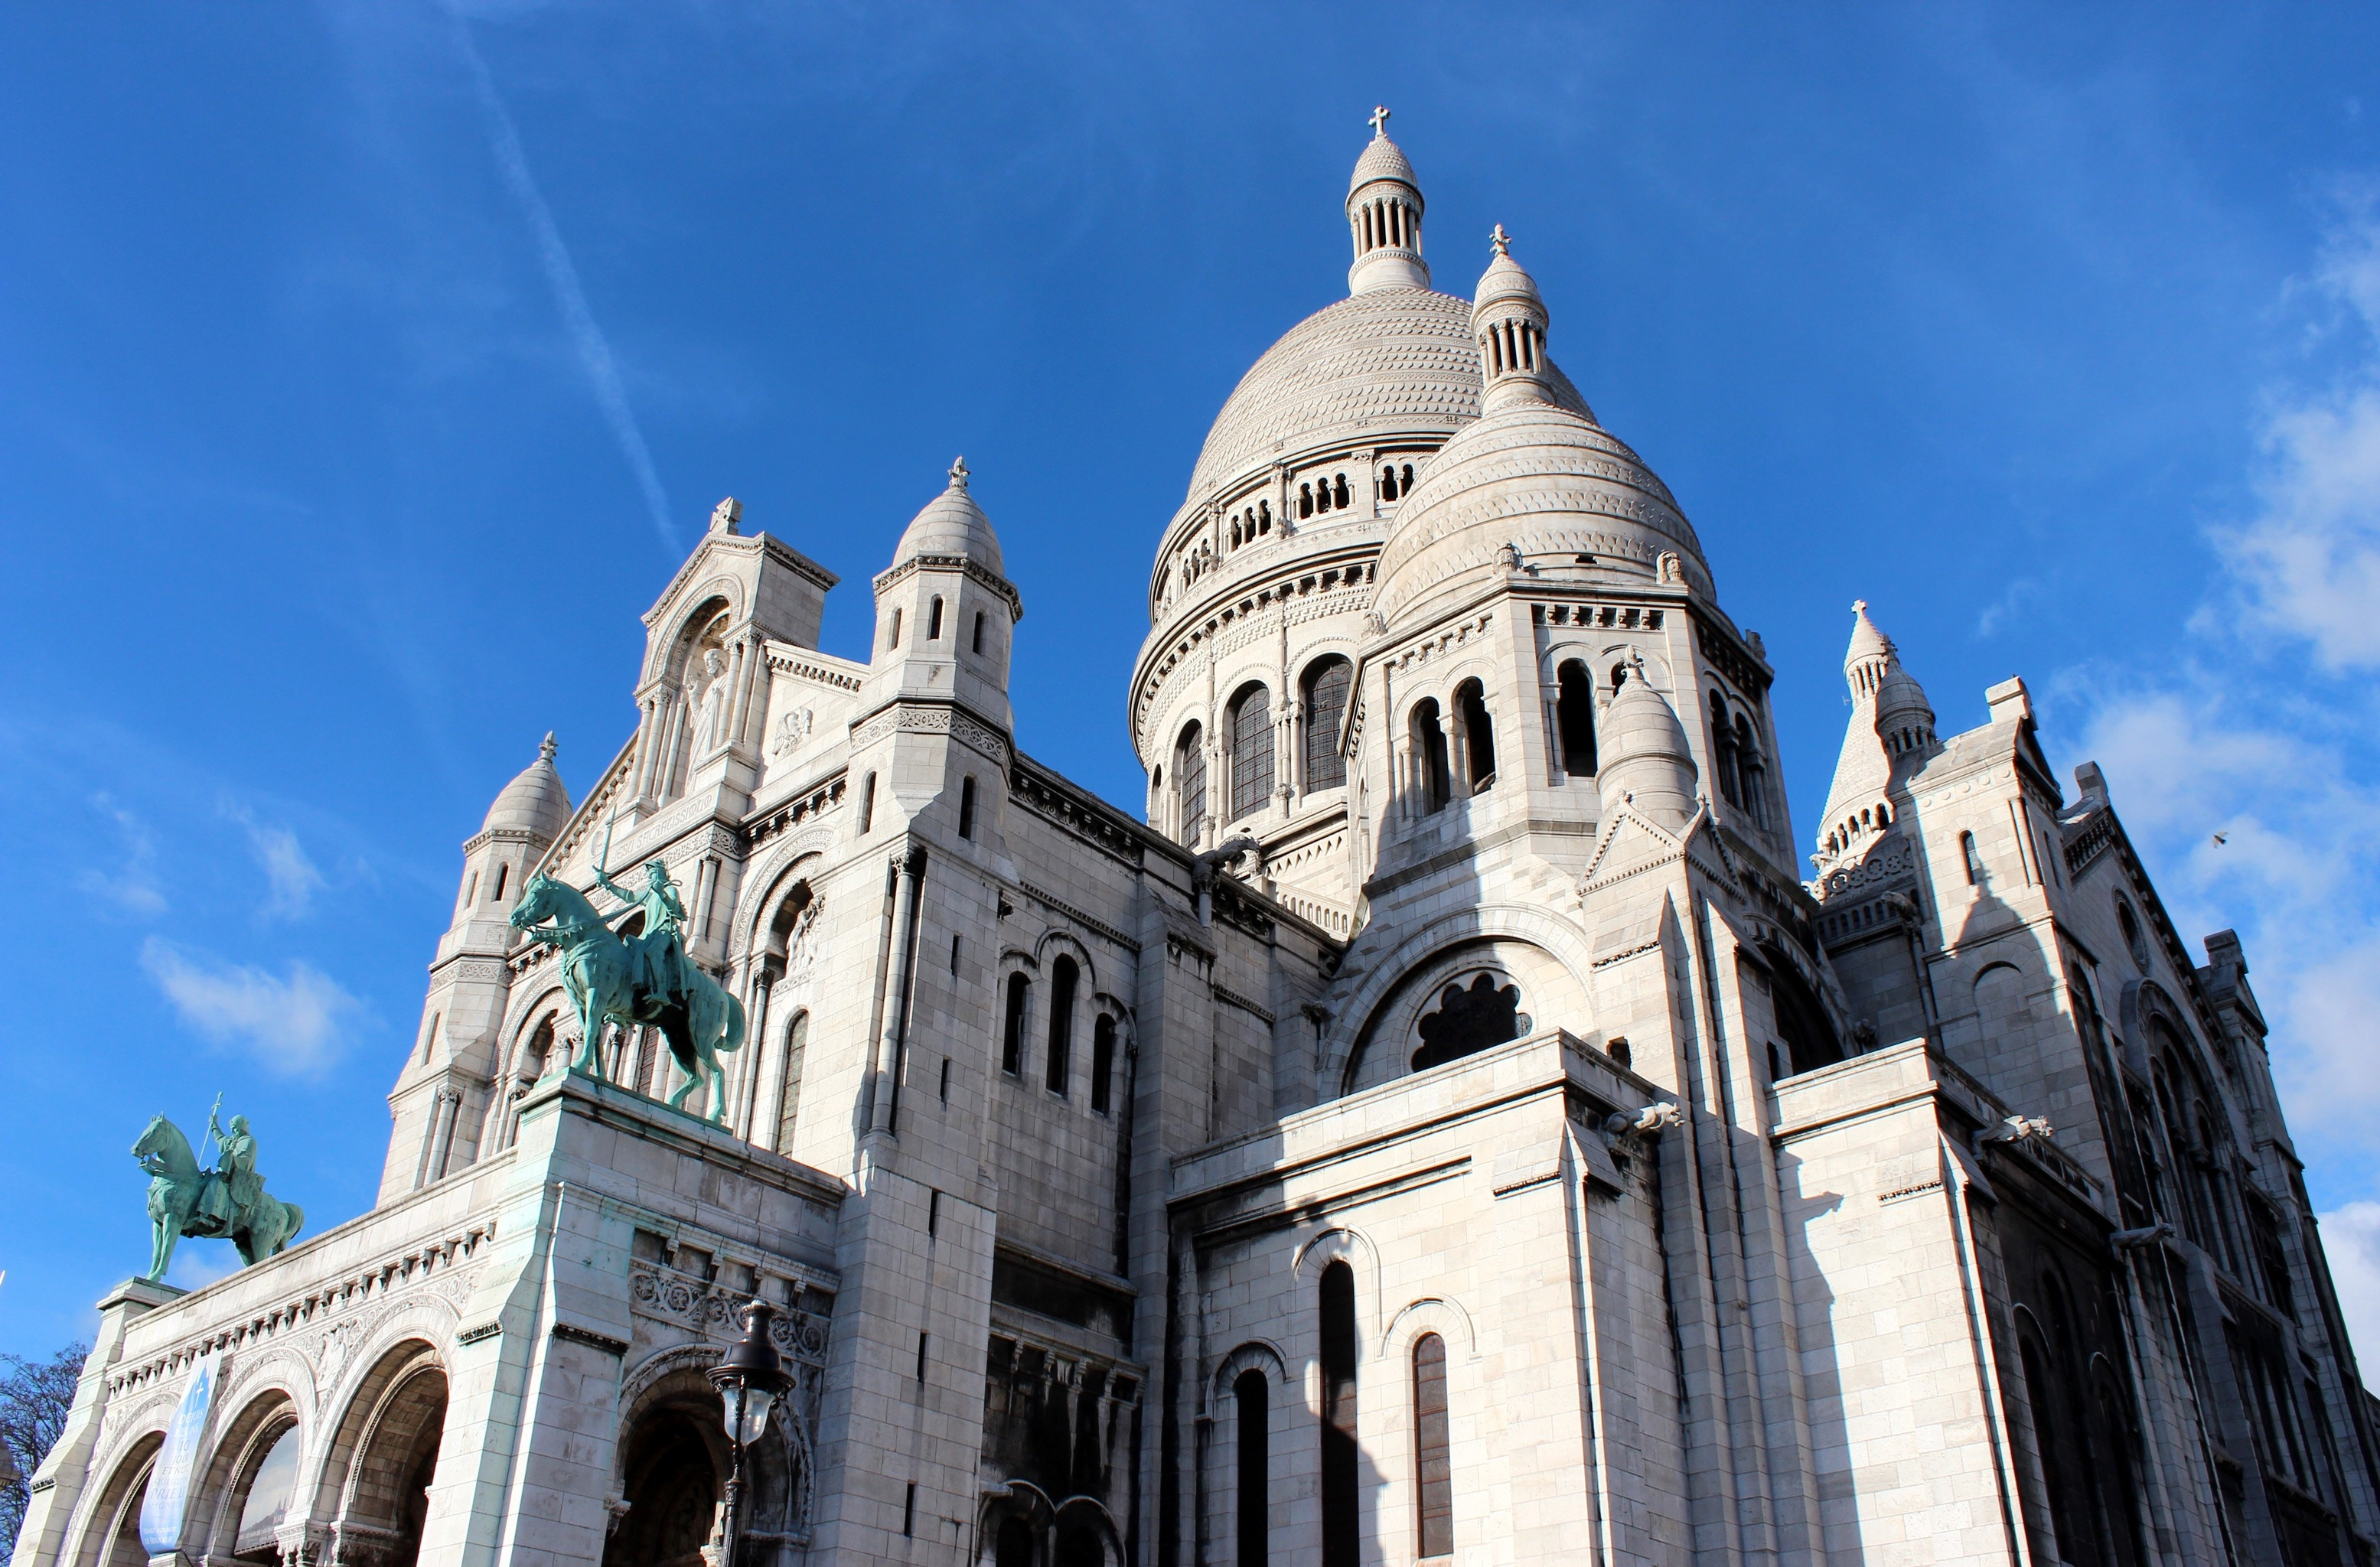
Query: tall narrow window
pixel 1327 685
pixel 1478 735
pixel 1062 1022
pixel 502 871
pixel 1433 1458
pixel 978 631
pixel 966 806
pixel 789 1096
pixel 1434 778
pixel 1341 1521
pixel 1103 1036
pixel 867 804
pixel 1255 1468
pixel 1752 773
pixel 1338 495
pixel 1251 752
pixel 471 892
pixel 1011 1033
pixel 894 639
pixel 934 620
pixel 1574 716
pixel 1974 860
pixel 1190 784
pixel 1723 752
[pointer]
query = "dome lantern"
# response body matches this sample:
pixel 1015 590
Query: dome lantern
pixel 1509 320
pixel 1384 217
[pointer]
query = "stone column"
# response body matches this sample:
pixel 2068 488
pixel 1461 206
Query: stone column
pixel 896 991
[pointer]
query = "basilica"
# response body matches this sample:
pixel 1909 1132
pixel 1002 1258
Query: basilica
pixel 1457 1117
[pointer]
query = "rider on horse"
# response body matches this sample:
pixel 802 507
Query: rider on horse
pixel 662 964
pixel 232 1188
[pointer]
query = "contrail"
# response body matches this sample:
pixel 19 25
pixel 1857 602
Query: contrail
pixel 594 352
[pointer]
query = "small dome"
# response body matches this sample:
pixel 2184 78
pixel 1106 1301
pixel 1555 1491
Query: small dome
pixel 1644 754
pixel 534 803
pixel 953 524
pixel 1867 642
pixel 1545 480
pixel 1382 158
pixel 1505 279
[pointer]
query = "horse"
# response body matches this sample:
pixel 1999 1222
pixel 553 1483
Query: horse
pixel 176 1183
pixel 597 973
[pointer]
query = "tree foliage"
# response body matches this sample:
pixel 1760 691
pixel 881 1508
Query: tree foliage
pixel 34 1398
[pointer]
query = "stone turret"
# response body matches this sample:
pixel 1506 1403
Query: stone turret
pixel 441 1092
pixel 1384 209
pixel 1891 730
pixel 1508 322
pixel 1646 759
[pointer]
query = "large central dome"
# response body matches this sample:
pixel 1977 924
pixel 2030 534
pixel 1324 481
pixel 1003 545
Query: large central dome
pixel 1392 363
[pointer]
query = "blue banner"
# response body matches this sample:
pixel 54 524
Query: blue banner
pixel 169 1481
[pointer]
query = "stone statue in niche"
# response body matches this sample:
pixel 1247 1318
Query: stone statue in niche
pixel 710 712
pixel 1470 1019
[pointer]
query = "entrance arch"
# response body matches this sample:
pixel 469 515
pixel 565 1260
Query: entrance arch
pixel 375 1486
pixel 112 1538
pixel 673 1471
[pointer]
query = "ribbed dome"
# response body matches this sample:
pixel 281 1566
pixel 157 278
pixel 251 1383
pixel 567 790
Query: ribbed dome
pixel 535 802
pixel 1389 364
pixel 1544 480
pixel 952 524
pixel 1382 158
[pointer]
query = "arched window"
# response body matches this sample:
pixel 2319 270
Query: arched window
pixel 1574 716
pixel 867 804
pixel 1478 735
pixel 1404 478
pixel 1305 500
pixel 789 1096
pixel 1255 1468
pixel 1342 1519
pixel 978 631
pixel 934 620
pixel 1103 1037
pixel 1432 776
pixel 502 871
pixel 894 640
pixel 966 806
pixel 1062 1022
pixel 1264 516
pixel 1974 860
pixel 1011 1033
pixel 1753 776
pixel 1388 482
pixel 471 891
pixel 1723 752
pixel 268 1496
pixel 1251 751
pixel 1338 495
pixel 1190 784
pixel 1433 1456
pixel 1328 682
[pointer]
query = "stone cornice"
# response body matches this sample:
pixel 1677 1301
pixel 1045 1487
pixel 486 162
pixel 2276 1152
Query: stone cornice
pixel 990 579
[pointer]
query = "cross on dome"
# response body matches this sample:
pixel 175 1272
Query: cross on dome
pixel 1379 121
pixel 959 474
pixel 1501 240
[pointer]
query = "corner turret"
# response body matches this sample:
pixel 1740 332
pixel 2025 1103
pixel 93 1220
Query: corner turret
pixel 1891 729
pixel 1646 759
pixel 1384 209
pixel 1508 322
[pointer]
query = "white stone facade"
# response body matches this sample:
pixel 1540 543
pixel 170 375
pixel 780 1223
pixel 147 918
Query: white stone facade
pixel 1449 1129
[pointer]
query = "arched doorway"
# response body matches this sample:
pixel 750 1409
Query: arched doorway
pixel 250 1481
pixel 112 1537
pixel 673 1474
pixel 375 1486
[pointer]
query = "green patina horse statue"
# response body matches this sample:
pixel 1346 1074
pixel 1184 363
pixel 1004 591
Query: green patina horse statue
pixel 600 972
pixel 187 1198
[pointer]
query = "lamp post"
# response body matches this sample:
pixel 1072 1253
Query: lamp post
pixel 750 1378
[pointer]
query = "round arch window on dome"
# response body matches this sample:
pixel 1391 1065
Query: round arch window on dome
pixel 1252 750
pixel 1469 1018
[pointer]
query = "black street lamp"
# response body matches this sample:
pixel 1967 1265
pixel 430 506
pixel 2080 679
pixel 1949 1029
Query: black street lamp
pixel 749 1378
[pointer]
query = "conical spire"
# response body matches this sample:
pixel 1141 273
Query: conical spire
pixel 1384 217
pixel 1509 320
pixel 952 524
pixel 1892 727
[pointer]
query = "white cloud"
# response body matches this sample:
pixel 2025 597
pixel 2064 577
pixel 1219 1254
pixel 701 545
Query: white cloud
pixel 290 877
pixel 2311 557
pixel 292 1025
pixel 132 886
pixel 197 1264
pixel 2350 1238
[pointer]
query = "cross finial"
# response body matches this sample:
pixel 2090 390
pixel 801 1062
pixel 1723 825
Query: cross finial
pixel 959 474
pixel 1379 122
pixel 1501 240
pixel 1859 606
pixel 546 747
pixel 727 514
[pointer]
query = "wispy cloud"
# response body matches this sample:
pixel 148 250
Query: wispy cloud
pixel 2350 1238
pixel 294 1025
pixel 196 1266
pixel 132 885
pixel 291 879
pixel 562 275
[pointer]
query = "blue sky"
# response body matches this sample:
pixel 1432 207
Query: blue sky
pixel 368 368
